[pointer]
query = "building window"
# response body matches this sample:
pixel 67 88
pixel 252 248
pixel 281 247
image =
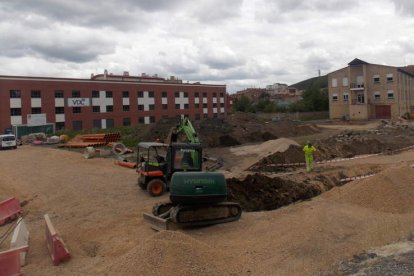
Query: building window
pixel 221 104
pixel 15 111
pixel 77 125
pixel 214 95
pixel 390 95
pixel 36 110
pixel 345 97
pixel 60 125
pixel 165 106
pixel 185 94
pixel 205 116
pixel 197 105
pixel 377 96
pixel 197 116
pixel 214 104
pixel 97 124
pixel 109 123
pixel 151 94
pixel 125 108
pixel 76 109
pixel 344 81
pixel 96 108
pixel 125 94
pixel 152 119
pixel 177 94
pixel 221 95
pixel 15 94
pixel 334 97
pixel 185 106
pixel 334 82
pixel 196 95
pixel 75 94
pixel 109 108
pixel 126 121
pixel 376 79
pixel 95 94
pixel 215 115
pixel 59 110
pixel 204 95
pixel 108 94
pixel 151 106
pixel 141 120
pixel 204 105
pixel 390 78
pixel 140 94
pixel 140 107
pixel 59 94
pixel 164 94
pixel 35 94
pixel 177 106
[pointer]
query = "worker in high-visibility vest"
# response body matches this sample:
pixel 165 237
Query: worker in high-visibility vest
pixel 309 150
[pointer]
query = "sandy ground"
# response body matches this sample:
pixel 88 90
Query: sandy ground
pixel 97 208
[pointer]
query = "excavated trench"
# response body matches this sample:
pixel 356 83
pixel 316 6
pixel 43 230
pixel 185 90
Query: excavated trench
pixel 258 192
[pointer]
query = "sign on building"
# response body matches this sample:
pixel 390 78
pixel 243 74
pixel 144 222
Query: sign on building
pixel 36 119
pixel 74 102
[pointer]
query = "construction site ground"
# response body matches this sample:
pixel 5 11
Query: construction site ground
pixel 294 223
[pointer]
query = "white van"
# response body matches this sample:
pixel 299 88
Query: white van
pixel 8 141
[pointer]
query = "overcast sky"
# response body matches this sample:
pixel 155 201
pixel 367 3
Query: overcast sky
pixel 248 43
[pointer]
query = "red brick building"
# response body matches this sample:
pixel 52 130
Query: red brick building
pixel 105 100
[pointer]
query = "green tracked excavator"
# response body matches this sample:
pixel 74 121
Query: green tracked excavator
pixel 197 198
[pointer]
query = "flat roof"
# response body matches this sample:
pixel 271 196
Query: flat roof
pixel 26 78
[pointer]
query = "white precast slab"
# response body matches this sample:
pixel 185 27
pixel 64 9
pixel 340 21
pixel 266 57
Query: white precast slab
pixel 20 238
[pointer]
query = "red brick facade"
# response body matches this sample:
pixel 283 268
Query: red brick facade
pixel 196 100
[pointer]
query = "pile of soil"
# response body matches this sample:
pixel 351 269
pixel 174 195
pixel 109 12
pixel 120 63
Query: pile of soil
pixel 232 130
pixel 347 144
pixel 172 251
pixel 258 192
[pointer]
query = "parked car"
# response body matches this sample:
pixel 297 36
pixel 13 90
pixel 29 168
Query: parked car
pixel 8 141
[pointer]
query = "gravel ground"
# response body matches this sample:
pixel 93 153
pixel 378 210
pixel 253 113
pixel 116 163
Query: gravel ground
pixel 97 208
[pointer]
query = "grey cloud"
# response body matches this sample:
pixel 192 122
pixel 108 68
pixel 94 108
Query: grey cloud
pixel 405 7
pixel 216 10
pixel 307 44
pixel 65 45
pixel 124 15
pixel 318 62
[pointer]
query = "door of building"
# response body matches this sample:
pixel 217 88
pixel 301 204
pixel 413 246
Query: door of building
pixel 383 111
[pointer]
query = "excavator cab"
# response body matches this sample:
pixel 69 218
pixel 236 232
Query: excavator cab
pixel 157 162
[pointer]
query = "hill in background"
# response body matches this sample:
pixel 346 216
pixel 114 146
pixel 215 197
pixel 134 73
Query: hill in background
pixel 303 85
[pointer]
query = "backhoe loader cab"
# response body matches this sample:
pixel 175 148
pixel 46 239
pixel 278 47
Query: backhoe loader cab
pixel 157 162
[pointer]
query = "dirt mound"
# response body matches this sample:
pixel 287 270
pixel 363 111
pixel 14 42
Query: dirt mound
pixel 234 129
pixel 172 253
pixel 258 192
pixel 390 191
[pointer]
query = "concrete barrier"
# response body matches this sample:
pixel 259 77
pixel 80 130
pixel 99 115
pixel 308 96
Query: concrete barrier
pixel 9 210
pixel 20 238
pixel 10 261
pixel 57 248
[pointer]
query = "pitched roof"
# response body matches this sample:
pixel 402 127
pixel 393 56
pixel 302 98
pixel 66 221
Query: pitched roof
pixel 357 61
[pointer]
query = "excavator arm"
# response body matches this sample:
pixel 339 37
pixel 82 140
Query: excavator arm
pixel 187 128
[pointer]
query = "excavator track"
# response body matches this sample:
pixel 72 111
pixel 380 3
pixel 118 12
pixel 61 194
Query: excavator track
pixel 167 217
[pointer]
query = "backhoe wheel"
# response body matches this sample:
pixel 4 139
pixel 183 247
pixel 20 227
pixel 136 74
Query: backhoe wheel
pixel 156 187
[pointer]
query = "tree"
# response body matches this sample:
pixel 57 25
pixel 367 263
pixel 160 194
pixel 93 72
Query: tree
pixel 244 104
pixel 314 99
